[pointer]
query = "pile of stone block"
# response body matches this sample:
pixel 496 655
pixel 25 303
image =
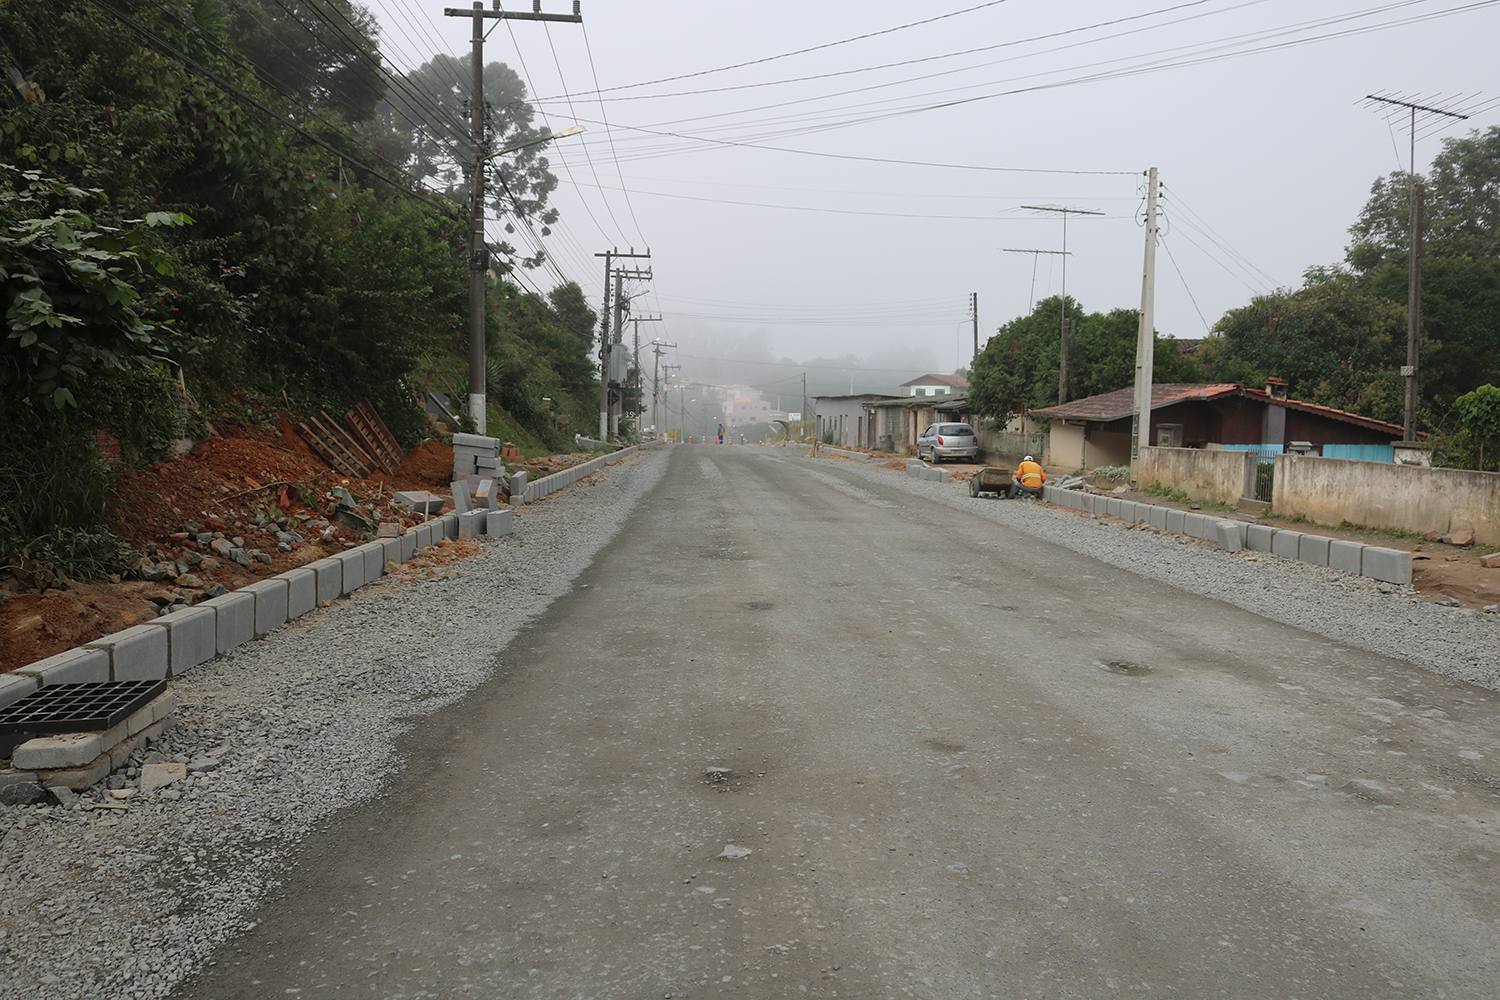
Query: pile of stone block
pixel 82 760
pixel 481 512
pixel 477 455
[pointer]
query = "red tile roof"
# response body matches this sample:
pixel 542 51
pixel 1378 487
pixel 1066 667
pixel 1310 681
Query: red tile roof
pixel 1121 403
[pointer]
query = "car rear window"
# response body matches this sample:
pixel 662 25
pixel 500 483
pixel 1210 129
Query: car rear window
pixel 956 429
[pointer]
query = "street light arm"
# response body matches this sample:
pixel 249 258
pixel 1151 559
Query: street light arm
pixel 536 142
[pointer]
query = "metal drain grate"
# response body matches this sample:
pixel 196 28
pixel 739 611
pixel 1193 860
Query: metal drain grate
pixel 74 708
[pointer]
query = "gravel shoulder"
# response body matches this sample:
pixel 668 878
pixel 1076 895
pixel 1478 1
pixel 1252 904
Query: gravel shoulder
pixel 1352 610
pixel 126 903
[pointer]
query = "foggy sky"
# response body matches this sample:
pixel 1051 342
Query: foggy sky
pixel 1265 149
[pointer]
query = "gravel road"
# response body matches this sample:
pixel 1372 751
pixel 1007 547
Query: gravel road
pixel 283 734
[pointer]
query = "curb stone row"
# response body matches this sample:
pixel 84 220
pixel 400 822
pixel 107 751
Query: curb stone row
pixel 1356 558
pixel 178 642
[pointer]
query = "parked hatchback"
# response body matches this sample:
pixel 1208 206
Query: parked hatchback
pixel 941 441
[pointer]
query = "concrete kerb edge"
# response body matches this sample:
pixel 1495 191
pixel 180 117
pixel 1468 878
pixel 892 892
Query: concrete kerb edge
pixel 175 643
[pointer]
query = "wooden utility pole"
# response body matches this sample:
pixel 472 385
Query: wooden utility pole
pixel 1145 339
pixel 1413 312
pixel 479 263
pixel 1414 277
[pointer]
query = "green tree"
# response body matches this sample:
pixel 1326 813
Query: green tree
pixel 1334 343
pixel 323 54
pixel 1479 416
pixel 1018 369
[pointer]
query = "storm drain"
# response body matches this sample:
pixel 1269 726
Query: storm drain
pixel 74 708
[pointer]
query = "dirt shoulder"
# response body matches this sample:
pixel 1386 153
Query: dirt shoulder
pixel 247 504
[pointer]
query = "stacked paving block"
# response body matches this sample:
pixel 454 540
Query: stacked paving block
pixel 477 455
pixel 74 735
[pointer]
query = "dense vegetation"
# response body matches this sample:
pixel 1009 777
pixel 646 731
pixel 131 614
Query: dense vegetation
pixel 211 203
pixel 1018 369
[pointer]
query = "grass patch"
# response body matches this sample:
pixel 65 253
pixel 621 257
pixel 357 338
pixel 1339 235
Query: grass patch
pixel 1156 489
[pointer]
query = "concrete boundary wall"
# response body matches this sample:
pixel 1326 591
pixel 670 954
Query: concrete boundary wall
pixel 1374 561
pixel 551 484
pixel 175 643
pixel 1383 495
pixel 1216 476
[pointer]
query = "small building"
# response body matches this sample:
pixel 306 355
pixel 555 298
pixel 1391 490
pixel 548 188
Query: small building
pixel 1095 431
pixel 897 422
pixel 935 385
pixel 847 419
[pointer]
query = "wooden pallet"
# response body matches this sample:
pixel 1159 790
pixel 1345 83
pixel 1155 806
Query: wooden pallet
pixel 334 445
pixel 374 438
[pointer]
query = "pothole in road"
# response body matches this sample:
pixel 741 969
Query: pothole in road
pixel 723 779
pixel 946 747
pixel 758 605
pixel 1125 667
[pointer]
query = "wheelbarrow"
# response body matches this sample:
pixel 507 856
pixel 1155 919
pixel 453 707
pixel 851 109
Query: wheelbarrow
pixel 990 480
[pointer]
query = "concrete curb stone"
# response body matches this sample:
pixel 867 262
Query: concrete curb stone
pixel 1390 565
pixel 353 563
pixel 330 579
pixel 1313 549
pixel 192 638
pixel 138 653
pixel 1230 535
pixel 301 591
pixel 271 603
pixel 1193 525
pixel 1286 543
pixel 499 522
pixel 374 556
pixel 1345 556
pixel 236 618
pixel 1176 519
pixel 1258 537
pixel 1157 516
pixel 14 687
pixel 73 666
pixel 408 545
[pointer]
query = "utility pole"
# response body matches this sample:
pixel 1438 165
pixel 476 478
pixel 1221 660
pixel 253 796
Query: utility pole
pixel 1414 258
pixel 974 314
pixel 635 354
pixel 1062 375
pixel 478 247
pixel 612 329
pixel 656 369
pixel 1145 339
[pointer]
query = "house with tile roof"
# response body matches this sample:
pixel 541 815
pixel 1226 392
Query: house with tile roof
pixel 1095 431
pixel 935 385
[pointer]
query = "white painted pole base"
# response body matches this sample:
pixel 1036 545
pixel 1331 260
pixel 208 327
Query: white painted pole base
pixel 476 410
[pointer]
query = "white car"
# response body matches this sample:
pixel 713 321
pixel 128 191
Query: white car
pixel 940 441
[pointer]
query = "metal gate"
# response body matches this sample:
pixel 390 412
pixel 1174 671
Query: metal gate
pixel 1265 478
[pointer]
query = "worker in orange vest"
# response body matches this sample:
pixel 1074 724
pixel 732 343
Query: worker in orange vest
pixel 1029 479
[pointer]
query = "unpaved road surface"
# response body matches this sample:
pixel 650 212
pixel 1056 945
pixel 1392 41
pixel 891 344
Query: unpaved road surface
pixel 964 763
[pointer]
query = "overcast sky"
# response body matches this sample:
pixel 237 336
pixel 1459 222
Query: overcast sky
pixel 779 230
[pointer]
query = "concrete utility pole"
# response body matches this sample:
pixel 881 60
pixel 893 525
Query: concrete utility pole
pixel 635 354
pixel 974 315
pixel 1414 262
pixel 1062 374
pixel 611 335
pixel 1145 339
pixel 478 246
pixel 656 370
